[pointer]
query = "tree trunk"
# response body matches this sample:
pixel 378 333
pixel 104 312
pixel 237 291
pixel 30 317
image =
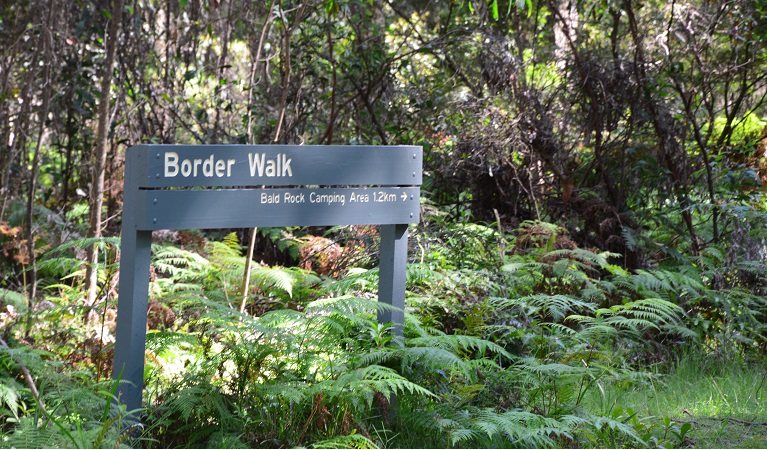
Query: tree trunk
pixel 99 163
pixel 670 151
pixel 248 264
pixel 45 43
pixel 249 140
pixel 564 29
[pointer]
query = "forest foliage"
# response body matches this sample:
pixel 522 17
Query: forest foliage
pixel 592 210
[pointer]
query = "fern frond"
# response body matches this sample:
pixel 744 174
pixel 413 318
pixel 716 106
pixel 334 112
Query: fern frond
pixel 418 273
pixel 388 382
pixel 27 434
pixel 457 343
pixel 665 282
pixel 158 341
pixel 295 393
pixel 434 359
pixel 181 265
pixel 62 266
pixel 351 441
pixel 281 318
pixel 621 426
pixel 681 331
pixel 8 297
pixel 651 309
pixel 348 305
pixel 220 251
pixel 629 323
pixel 487 428
pixel 374 358
pixel 359 279
pixel 562 329
pixel 9 395
pixel 460 435
pixel 556 306
pixel 232 241
pixel 268 277
pixel 589 258
pixel 556 369
pixel 82 244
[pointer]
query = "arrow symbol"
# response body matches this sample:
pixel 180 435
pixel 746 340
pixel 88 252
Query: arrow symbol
pixel 404 196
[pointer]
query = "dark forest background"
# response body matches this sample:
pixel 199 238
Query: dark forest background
pixel 587 163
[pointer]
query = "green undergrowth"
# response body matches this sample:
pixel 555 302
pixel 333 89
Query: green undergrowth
pixel 722 403
pixel 529 342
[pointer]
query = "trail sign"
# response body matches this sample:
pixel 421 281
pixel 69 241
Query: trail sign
pixel 244 186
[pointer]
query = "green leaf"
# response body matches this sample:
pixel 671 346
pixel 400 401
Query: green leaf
pixel 495 9
pixel 521 5
pixel 331 7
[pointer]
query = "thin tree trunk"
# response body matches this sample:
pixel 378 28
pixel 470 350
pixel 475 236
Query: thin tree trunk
pixel 248 264
pixel 285 81
pixel 249 140
pixel 46 44
pixel 256 61
pixel 220 88
pixel 662 123
pixel 99 166
pixel 68 156
pixel 20 133
pixel 287 69
pixel 33 184
pixel 334 83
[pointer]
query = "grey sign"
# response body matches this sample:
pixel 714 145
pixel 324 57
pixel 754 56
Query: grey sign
pixel 179 187
pixel 276 165
pixel 242 208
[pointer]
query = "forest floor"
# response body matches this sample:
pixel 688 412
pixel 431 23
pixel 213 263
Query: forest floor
pixel 724 402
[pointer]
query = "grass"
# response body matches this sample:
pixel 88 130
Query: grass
pixel 725 401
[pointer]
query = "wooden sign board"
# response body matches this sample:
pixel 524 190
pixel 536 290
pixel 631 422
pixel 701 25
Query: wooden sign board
pixel 245 186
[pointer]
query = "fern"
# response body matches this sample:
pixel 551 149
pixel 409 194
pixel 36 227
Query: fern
pixel 655 310
pixel 664 282
pixel 180 264
pixel 75 415
pixel 60 263
pixel 157 341
pixel 362 280
pixel 270 277
pixel 371 379
pixel 8 297
pixel 435 359
pixel 484 427
pixel 28 434
pixel 83 244
pixel 588 258
pixel 350 441
pixel 321 357
pixel 557 307
pixel 294 393
pixel 357 280
pixel 9 397
pixel 457 343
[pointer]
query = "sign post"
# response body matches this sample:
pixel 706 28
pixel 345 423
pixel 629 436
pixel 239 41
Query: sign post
pixel 245 186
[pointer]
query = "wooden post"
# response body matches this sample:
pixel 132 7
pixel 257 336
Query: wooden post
pixel 392 274
pixel 132 303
